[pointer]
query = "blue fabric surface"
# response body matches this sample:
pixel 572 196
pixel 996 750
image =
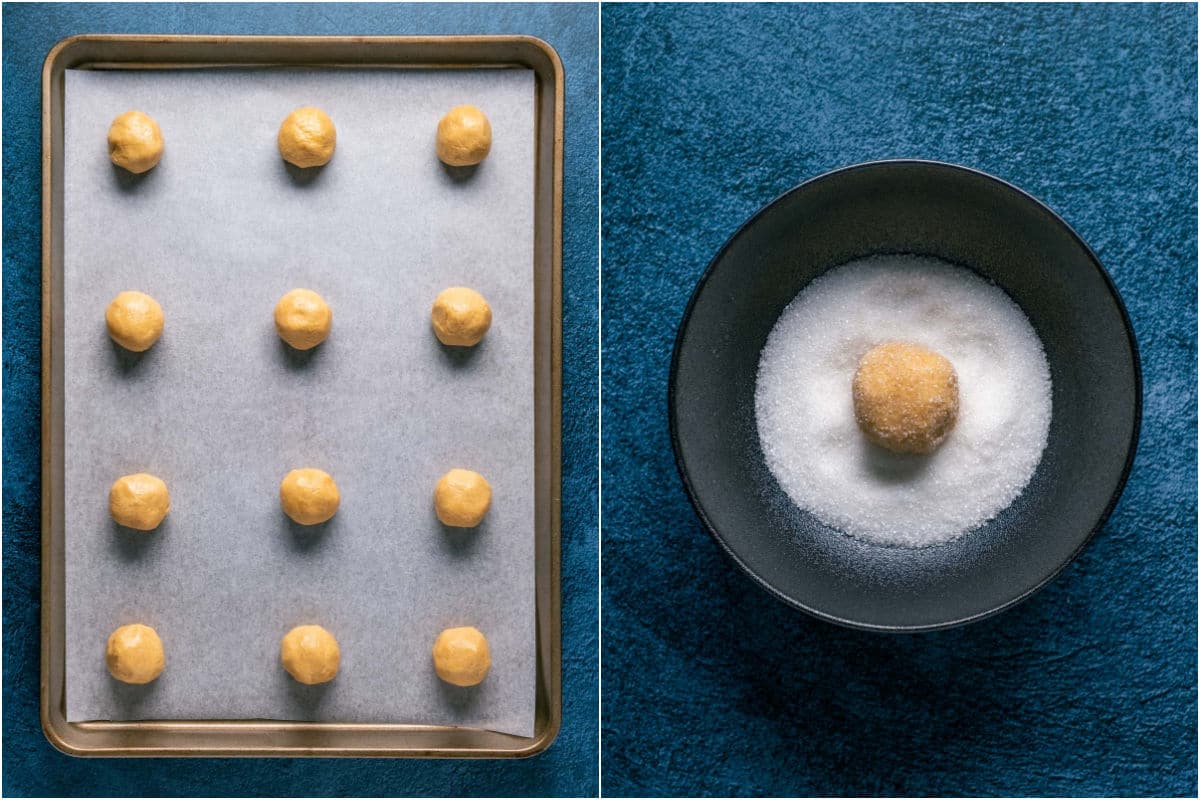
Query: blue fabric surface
pixel 711 686
pixel 31 765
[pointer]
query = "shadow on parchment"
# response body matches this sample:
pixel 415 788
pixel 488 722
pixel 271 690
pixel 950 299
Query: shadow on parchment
pixel 458 175
pixel 302 176
pixel 459 698
pixel 459 357
pixel 298 359
pixel 461 542
pixel 131 699
pixel 133 545
pixel 303 699
pixel 308 538
pixel 128 362
pixel 129 181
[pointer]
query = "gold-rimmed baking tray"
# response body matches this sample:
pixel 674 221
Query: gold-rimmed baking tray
pixel 280 738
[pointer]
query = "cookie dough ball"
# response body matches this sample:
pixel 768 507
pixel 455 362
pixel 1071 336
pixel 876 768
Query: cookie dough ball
pixel 139 501
pixel 461 498
pixel 307 137
pixel 461 317
pixel 135 142
pixel 309 496
pixel 310 654
pixel 905 397
pixel 461 656
pixel 303 318
pixel 464 136
pixel 135 321
pixel 134 654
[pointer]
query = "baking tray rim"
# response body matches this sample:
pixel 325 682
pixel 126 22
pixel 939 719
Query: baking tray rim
pixel 276 738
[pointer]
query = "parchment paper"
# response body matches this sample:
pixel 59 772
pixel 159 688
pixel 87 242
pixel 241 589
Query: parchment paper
pixel 221 409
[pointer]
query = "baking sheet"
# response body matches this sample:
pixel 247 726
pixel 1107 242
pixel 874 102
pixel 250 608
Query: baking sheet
pixel 221 409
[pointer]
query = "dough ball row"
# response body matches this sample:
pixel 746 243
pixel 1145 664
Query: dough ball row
pixel 310 654
pixel 308 496
pixel 460 317
pixel 307 138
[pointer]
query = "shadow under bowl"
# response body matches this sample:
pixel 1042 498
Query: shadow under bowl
pixel 965 217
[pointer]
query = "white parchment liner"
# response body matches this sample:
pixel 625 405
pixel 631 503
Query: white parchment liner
pixel 221 409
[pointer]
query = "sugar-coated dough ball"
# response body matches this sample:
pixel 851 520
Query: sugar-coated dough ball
pixel 303 318
pixel 464 136
pixel 307 137
pixel 309 496
pixel 139 501
pixel 461 656
pixel 905 397
pixel 135 142
pixel 310 654
pixel 135 320
pixel 134 654
pixel 462 498
pixel 461 317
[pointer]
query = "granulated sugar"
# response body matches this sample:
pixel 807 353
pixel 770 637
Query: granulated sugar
pixel 805 410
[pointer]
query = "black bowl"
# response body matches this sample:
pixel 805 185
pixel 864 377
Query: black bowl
pixel 965 217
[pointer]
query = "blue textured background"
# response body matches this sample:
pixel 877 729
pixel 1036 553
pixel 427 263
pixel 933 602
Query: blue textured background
pixel 710 686
pixel 31 765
